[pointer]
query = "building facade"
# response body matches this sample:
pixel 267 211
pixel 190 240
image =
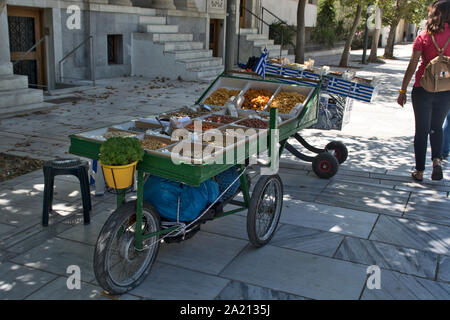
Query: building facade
pixel 82 40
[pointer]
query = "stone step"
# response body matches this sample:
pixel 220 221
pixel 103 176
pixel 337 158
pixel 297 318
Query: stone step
pixel 6 68
pixel 263 42
pixel 159 28
pixel 166 37
pixel 190 54
pixel 202 62
pixel 207 72
pixel 13 82
pixel 152 20
pixel 20 97
pixel 248 31
pixel 182 45
pixel 276 53
pixel 257 36
pixel 9 112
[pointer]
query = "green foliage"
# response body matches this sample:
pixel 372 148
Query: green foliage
pixel 281 32
pixel 325 30
pixel 411 10
pixel 118 151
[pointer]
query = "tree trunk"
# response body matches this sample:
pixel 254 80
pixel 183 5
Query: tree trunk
pixel 389 49
pixel 373 50
pixel 348 43
pixel 300 47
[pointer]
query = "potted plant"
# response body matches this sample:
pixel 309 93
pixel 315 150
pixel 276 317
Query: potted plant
pixel 118 158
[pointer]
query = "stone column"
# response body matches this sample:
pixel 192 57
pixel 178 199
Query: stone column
pixel 186 5
pixel 5 55
pixel 163 4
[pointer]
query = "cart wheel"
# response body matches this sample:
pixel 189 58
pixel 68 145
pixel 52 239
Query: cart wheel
pixel 325 165
pixel 340 150
pixel 118 266
pixel 264 211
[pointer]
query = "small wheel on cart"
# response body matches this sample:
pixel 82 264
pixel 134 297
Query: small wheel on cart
pixel 118 265
pixel 340 150
pixel 325 165
pixel 264 211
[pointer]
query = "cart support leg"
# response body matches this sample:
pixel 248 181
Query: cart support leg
pixel 120 198
pixel 244 187
pixel 139 204
pixel 297 153
pixel 307 145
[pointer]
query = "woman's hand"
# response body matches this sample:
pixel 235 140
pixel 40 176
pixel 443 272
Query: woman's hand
pixel 401 100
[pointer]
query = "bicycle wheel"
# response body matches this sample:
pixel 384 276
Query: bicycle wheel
pixel 118 265
pixel 264 211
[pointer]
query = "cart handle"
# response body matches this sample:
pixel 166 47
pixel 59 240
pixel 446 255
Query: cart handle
pixel 274 76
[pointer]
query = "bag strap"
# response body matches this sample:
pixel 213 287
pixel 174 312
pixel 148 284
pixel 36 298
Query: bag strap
pixel 440 51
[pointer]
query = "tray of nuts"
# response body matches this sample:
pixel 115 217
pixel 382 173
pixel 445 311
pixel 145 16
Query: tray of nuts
pixel 221 96
pixel 256 99
pixel 219 118
pixel 222 90
pixel 155 143
pixel 254 123
pixel 286 101
pixel 204 126
pixel 192 113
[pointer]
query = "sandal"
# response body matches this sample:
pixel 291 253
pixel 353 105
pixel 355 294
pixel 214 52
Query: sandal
pixel 417 175
pixel 437 172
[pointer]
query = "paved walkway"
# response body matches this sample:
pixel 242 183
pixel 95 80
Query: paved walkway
pixel 370 213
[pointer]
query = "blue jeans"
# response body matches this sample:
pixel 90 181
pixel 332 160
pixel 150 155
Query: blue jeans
pixel 430 110
pixel 446 146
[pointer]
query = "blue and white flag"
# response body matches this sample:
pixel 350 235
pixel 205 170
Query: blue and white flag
pixel 261 66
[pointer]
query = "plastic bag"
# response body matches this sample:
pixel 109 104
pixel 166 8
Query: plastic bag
pixel 163 194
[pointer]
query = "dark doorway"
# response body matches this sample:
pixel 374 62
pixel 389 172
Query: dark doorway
pixel 214 26
pixel 25 30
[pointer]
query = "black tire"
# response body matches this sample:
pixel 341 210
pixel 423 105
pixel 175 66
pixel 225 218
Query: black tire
pixel 125 216
pixel 340 150
pixel 325 165
pixel 254 217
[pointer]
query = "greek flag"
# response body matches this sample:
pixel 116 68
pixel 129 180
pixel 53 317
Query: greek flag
pixel 261 66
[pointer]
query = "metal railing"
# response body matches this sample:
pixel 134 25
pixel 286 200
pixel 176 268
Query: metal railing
pixel 272 14
pixel 47 61
pixel 92 60
pixel 281 33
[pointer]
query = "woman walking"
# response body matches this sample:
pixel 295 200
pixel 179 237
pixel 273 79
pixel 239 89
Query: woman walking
pixel 430 108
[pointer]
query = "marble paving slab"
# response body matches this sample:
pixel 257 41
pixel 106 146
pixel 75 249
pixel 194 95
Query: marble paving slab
pixel 237 290
pixel 306 240
pixel 327 218
pixel 364 198
pixel 234 225
pixel 412 234
pixel 167 282
pixel 17 282
pixel 397 286
pixel 297 273
pixel 405 260
pixel 444 269
pixel 55 255
pixel 205 252
pixel 435 208
pixel 58 290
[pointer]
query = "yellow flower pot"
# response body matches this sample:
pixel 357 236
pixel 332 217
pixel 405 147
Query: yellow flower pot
pixel 119 177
